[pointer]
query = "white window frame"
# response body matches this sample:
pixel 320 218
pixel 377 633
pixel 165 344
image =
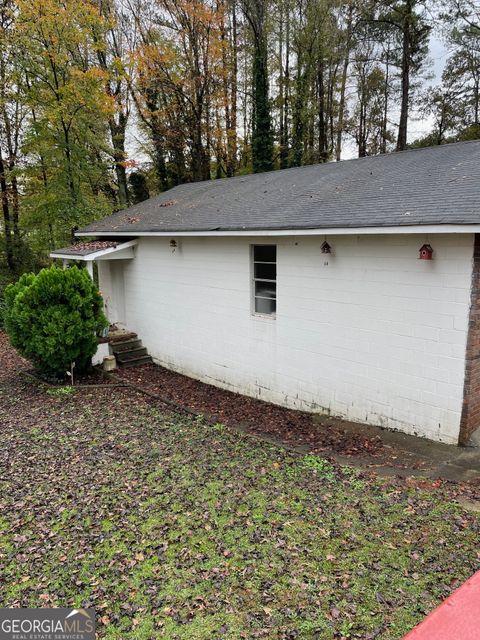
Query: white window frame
pixel 253 280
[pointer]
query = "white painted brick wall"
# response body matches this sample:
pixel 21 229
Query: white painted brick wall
pixel 376 336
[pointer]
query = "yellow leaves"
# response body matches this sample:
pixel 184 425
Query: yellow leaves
pixel 188 45
pixel 55 24
pixel 58 44
pixel 200 13
pixel 152 59
pixel 96 73
pixel 87 88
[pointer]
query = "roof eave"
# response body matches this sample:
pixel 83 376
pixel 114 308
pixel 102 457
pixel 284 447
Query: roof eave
pixel 382 230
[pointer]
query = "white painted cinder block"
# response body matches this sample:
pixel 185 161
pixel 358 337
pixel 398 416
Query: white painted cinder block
pixel 375 336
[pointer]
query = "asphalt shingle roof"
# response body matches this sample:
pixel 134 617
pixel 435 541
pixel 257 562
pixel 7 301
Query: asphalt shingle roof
pixel 435 185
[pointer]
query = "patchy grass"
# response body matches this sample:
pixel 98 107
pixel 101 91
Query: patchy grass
pixel 59 392
pixel 175 529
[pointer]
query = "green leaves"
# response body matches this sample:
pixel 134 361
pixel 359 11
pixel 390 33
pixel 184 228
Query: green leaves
pixel 66 178
pixel 53 318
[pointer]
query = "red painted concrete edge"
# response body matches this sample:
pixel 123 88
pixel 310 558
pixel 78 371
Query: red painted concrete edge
pixel 457 618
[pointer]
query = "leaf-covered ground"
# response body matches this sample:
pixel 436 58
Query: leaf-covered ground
pixel 172 528
pixel 316 432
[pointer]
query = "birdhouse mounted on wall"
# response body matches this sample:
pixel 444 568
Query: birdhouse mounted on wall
pixel 425 252
pixel 326 248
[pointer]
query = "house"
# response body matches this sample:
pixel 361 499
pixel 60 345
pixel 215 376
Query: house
pixel 351 288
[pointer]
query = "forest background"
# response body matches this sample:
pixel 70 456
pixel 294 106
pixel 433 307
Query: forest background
pixel 105 103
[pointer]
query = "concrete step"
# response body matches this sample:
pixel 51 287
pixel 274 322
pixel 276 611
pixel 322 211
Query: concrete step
pixel 126 345
pixel 137 361
pixel 121 336
pixel 131 354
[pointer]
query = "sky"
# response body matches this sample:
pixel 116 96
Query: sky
pixel 417 127
pixel 438 55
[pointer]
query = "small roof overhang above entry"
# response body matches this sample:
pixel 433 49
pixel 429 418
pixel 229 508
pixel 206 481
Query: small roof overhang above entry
pixel 97 250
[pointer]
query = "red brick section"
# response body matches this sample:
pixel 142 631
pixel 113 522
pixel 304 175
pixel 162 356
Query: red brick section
pixel 470 420
pixel 457 618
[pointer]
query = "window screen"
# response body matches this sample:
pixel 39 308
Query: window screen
pixel 265 278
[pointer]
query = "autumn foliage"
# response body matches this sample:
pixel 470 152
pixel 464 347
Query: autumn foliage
pixel 105 103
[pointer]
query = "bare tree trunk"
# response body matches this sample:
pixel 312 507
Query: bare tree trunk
pixel 386 92
pixel 231 72
pixel 114 87
pixel 284 148
pixel 309 145
pixel 117 133
pixel 343 84
pixel 7 224
pixel 281 87
pixel 476 101
pixel 298 132
pixel 206 161
pixel 406 63
pixel 331 124
pixel 362 136
pixel 9 194
pixel 322 133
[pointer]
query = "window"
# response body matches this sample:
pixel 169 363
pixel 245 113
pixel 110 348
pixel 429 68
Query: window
pixel 265 278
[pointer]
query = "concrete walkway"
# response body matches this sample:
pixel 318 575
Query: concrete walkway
pixel 418 456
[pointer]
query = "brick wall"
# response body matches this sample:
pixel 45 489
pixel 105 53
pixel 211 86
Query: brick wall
pixel 470 420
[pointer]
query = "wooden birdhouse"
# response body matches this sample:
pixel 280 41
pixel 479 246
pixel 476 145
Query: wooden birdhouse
pixel 425 252
pixel 326 248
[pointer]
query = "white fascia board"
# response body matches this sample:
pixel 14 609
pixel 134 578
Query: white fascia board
pixel 69 256
pixel 352 231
